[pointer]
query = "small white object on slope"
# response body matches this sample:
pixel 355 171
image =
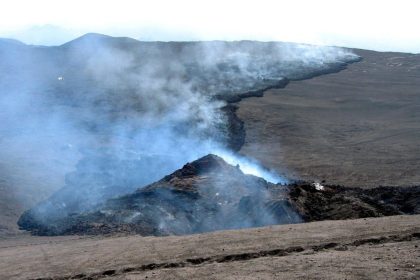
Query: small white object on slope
pixel 318 186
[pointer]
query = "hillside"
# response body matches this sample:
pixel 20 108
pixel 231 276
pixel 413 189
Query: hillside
pixel 365 248
pixel 359 127
pixel 101 115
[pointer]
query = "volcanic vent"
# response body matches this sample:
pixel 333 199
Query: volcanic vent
pixel 209 194
pixel 205 195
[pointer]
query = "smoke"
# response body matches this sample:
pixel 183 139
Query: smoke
pixel 251 167
pixel 100 117
pixel 227 199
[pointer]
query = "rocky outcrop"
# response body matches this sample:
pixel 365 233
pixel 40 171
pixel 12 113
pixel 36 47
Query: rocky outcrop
pixel 337 202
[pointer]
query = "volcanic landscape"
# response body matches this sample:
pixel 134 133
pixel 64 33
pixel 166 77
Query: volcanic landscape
pixel 130 160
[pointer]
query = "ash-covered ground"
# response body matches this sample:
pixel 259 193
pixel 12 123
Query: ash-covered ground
pixel 100 117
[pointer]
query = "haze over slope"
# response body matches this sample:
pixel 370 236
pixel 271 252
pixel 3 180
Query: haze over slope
pixel 114 114
pixel 204 195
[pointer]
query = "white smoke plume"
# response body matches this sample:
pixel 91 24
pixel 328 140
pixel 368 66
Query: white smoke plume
pixel 103 116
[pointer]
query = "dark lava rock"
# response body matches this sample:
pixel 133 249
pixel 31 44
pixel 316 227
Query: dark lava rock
pixel 205 195
pixel 337 202
pixel 209 194
pixel 234 132
pixel 98 176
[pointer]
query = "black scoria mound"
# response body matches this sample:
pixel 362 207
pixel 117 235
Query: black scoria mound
pixel 209 194
pixel 205 195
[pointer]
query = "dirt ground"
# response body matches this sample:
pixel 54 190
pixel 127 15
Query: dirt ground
pixel 329 264
pixel 358 127
pixel 352 249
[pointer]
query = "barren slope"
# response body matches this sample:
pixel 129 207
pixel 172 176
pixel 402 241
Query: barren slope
pixel 364 248
pixel 358 127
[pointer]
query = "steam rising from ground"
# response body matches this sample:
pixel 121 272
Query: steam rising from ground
pixel 251 167
pixel 115 114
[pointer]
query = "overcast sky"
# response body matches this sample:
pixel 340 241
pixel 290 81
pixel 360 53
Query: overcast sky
pixel 372 24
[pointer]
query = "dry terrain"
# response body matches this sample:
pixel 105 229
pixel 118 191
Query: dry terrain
pixel 379 248
pixel 358 127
